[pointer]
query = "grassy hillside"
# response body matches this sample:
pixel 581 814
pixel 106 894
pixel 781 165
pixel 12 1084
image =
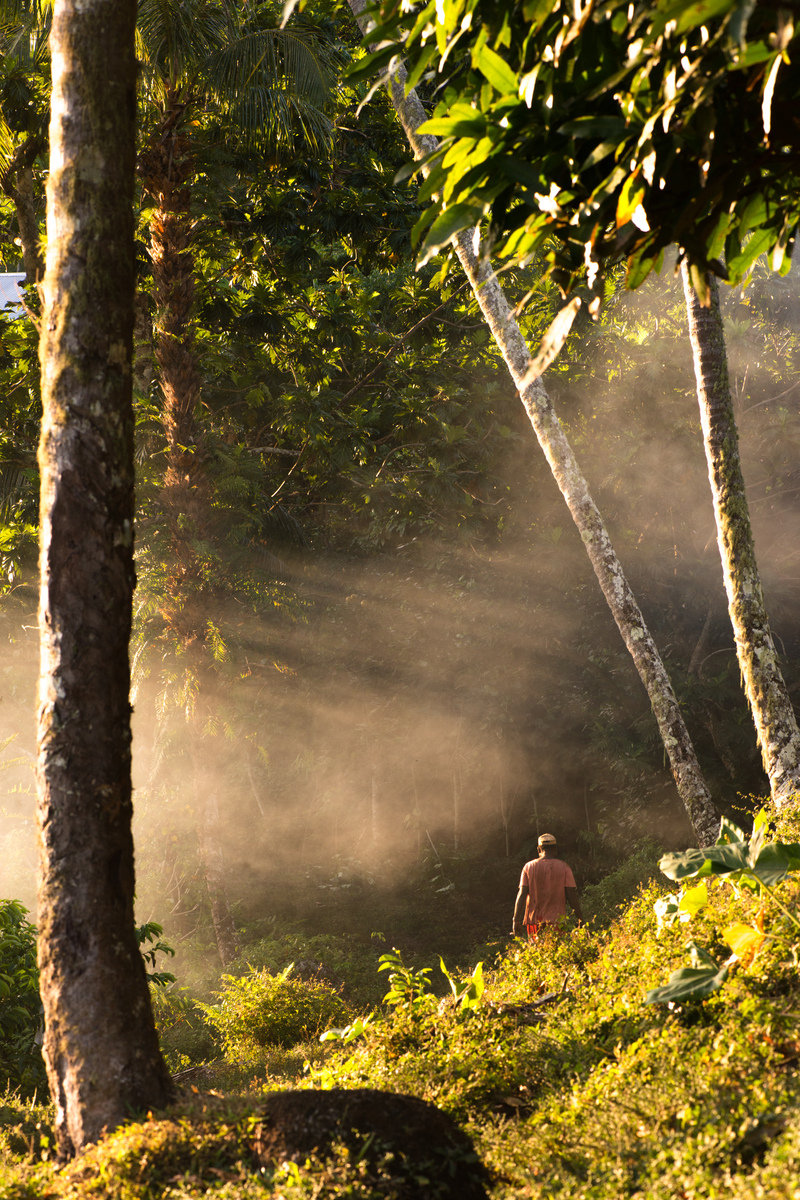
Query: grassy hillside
pixel 592 1095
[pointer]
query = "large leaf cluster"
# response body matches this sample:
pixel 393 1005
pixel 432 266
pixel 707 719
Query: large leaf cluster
pixel 615 128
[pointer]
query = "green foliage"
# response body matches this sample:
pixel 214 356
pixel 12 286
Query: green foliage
pixel 468 993
pixel 260 1010
pixel 408 988
pixel 752 864
pixel 149 935
pixel 696 982
pixel 21 1065
pixel 607 132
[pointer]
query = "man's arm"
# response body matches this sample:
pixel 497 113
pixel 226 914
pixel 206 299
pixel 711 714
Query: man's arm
pixel 519 910
pixel 573 901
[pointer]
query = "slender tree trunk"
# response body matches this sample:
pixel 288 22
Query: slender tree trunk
pixel 701 646
pixel 686 771
pixel 100 1045
pixel 166 170
pixel 221 915
pixel 776 727
pixel 456 811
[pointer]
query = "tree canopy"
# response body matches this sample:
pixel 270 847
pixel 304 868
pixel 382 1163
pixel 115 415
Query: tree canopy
pixel 607 131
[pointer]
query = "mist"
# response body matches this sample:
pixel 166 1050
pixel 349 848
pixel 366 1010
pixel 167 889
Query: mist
pixel 451 699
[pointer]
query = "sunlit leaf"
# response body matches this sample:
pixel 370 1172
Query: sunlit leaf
pixel 744 941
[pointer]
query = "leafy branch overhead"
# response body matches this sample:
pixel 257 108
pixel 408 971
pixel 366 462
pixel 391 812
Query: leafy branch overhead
pixel 605 132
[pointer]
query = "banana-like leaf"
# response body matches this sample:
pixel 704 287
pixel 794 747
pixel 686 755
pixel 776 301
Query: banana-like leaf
pixel 697 982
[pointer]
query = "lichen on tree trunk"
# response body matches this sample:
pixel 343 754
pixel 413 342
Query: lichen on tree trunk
pixel 767 694
pixel 686 771
pixel 100 1044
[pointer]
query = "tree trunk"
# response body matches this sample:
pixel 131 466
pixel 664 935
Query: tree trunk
pixel 776 727
pixel 221 915
pixel 17 183
pixel 100 1045
pixel 701 646
pixel 507 334
pixel 166 170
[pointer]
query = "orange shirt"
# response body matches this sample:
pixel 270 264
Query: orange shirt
pixel 545 879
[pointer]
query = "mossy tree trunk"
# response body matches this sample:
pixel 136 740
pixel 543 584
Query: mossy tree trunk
pixel 767 695
pixel 100 1044
pixel 550 433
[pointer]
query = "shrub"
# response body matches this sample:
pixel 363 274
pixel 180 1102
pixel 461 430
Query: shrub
pixel 21 1065
pixel 260 1009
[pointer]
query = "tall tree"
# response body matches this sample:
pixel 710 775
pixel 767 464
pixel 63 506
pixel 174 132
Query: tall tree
pixel 100 1045
pixel 686 771
pixel 260 87
pixel 614 130
pixel 776 726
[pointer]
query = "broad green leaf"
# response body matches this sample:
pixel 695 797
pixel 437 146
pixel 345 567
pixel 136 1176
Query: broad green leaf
pixel 475 127
pixel 604 127
pixel 774 862
pixel 422 224
pixel 691 983
pixel 688 984
pixel 695 899
pixel 639 267
pixel 536 12
pixel 518 170
pixel 496 70
pixel 757 244
pixel 729 831
pixel 684 865
pixel 690 14
pixel 451 222
pixel 598 154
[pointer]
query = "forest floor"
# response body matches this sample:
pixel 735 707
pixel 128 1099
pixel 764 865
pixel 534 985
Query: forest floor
pixel 591 1095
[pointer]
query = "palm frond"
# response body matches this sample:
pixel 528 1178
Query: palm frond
pixel 267 79
pixel 175 36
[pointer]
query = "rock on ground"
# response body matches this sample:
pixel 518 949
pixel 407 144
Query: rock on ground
pixel 408 1144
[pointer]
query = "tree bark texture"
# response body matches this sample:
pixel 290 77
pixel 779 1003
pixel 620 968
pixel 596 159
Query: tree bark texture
pixel 767 694
pixel 100 1044
pixel 549 431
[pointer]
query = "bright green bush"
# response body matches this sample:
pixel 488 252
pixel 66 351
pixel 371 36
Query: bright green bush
pixel 21 1066
pixel 260 1009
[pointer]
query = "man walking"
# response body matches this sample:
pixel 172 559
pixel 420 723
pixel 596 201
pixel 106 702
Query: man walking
pixel 545 887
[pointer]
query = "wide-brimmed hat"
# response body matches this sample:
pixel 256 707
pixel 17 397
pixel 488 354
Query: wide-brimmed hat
pixel 547 839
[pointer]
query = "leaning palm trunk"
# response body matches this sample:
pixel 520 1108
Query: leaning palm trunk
pixel 686 771
pixel 776 727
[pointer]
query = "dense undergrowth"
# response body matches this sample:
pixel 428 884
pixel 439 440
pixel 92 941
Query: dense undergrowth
pixel 594 1094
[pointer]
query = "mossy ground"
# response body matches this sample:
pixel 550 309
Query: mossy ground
pixel 607 1098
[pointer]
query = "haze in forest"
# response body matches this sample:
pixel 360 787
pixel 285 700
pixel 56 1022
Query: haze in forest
pixel 444 697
